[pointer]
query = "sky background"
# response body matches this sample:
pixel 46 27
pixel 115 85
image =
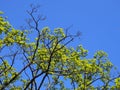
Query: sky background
pixel 98 20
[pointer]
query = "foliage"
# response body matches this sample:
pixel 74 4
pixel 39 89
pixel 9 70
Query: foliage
pixel 49 63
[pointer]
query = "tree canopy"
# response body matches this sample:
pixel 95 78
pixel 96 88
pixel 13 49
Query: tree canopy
pixel 48 63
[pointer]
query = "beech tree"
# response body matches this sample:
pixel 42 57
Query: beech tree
pixel 47 62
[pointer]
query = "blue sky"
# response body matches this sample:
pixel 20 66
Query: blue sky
pixel 98 20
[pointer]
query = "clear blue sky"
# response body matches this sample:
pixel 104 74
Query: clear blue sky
pixel 98 20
